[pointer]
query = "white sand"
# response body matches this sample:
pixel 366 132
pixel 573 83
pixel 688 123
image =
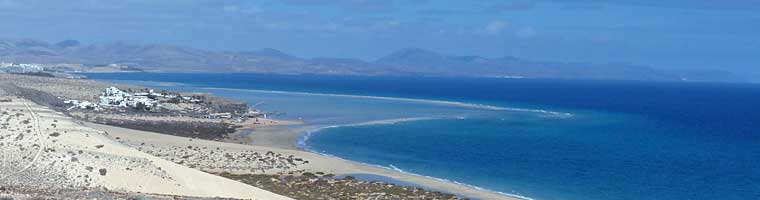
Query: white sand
pixel 165 144
pixel 43 148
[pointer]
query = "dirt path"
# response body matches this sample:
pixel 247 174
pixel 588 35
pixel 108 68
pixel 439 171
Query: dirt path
pixel 40 142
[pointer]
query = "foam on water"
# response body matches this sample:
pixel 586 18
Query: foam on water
pixel 307 134
pixel 305 137
pixel 665 140
pixel 439 102
pixel 302 142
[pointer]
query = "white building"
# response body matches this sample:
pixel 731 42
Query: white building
pixel 88 105
pixel 115 97
pixel 113 101
pixel 135 101
pixel 113 91
pixel 32 67
pixel 155 94
pixel 20 68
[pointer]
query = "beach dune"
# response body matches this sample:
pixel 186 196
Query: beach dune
pixel 165 145
pixel 45 149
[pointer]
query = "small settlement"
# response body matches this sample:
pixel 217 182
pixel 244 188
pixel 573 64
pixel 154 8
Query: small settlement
pixel 14 68
pixel 148 101
pixel 45 70
pixel 114 98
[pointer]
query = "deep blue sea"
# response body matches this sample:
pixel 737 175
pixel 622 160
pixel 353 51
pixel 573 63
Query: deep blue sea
pixel 543 139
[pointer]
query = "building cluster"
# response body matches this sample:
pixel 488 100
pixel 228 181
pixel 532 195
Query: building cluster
pixel 82 105
pixel 20 68
pixel 113 97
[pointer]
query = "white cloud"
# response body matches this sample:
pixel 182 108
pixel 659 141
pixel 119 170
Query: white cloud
pixel 252 10
pixel 495 27
pixel 230 9
pixel 526 32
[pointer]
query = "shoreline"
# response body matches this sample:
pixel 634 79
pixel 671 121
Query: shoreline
pixel 306 132
pixel 282 136
pixel 53 152
pixel 291 135
pixel 286 137
pixel 439 102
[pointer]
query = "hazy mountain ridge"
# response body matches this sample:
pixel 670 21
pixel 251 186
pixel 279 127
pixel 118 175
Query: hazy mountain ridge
pixel 412 61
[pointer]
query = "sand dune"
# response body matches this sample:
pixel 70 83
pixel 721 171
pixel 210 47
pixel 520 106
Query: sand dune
pixel 41 148
pixel 62 153
pixel 169 146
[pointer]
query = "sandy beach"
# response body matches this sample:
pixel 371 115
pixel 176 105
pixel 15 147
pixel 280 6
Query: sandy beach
pixel 281 140
pixel 177 161
pixel 43 148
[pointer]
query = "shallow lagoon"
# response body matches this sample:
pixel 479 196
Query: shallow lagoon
pixel 624 140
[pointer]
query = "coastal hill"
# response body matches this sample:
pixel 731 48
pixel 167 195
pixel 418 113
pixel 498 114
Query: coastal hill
pixel 412 61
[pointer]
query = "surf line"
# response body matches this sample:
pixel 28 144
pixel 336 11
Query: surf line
pixel 439 102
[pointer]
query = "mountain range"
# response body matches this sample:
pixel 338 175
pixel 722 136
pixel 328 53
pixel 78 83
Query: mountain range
pixel 411 61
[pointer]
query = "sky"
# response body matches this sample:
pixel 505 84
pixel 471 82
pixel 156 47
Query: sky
pixel 666 34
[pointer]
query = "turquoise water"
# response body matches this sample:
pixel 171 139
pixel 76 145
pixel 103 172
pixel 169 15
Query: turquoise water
pixel 567 140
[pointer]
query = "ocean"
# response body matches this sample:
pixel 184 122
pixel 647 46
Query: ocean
pixel 541 139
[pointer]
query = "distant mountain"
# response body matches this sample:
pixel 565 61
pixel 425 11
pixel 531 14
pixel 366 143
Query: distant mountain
pixel 710 76
pixel 427 62
pixel 269 52
pixel 411 61
pixel 423 61
pixel 67 44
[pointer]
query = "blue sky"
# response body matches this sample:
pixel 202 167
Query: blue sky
pixel 670 34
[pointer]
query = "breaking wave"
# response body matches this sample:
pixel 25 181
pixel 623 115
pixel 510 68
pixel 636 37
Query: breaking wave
pixel 306 135
pixel 439 102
